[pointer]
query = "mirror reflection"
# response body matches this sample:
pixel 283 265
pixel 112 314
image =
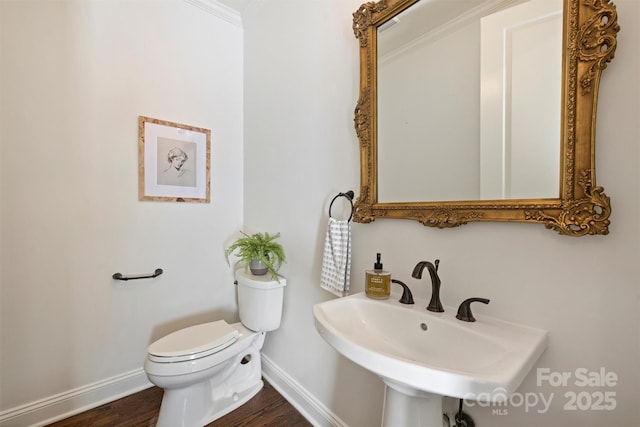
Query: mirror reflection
pixel 469 101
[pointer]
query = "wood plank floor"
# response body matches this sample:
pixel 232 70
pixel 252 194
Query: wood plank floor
pixel 267 408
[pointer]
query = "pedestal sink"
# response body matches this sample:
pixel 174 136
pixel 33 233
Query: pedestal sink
pixel 422 356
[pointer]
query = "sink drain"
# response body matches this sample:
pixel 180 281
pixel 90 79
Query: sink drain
pixel 423 326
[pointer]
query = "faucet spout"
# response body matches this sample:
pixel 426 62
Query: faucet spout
pixel 435 304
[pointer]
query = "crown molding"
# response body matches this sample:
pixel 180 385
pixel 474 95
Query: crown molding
pixel 219 10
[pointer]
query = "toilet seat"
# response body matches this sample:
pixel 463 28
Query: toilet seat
pixel 193 342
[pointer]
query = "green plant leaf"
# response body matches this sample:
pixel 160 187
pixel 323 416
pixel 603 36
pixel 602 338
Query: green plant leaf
pixel 258 246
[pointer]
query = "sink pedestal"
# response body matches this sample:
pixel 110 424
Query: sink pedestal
pixel 405 406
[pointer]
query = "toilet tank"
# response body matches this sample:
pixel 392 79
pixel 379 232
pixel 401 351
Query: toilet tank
pixel 260 300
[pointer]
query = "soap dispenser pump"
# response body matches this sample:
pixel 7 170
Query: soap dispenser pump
pixel 377 281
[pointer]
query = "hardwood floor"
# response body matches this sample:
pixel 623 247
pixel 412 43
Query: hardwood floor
pixel 267 408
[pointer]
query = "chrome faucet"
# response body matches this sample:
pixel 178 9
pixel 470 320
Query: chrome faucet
pixel 434 304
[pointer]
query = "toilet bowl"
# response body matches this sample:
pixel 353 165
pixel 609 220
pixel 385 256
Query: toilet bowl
pixel 208 370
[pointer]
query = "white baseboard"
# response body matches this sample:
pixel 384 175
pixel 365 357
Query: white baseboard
pixel 310 407
pixel 63 405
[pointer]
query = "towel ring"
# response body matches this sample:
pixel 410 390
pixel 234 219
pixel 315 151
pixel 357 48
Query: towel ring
pixel 349 195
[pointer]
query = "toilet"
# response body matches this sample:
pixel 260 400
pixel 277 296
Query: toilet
pixel 208 370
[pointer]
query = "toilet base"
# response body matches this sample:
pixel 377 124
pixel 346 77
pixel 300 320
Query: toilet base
pixel 220 408
pixel 231 403
pixel 201 403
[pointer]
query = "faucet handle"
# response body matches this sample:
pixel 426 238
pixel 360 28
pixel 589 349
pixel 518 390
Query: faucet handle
pixel 464 311
pixel 407 297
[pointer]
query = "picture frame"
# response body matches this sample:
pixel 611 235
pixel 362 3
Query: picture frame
pixel 173 161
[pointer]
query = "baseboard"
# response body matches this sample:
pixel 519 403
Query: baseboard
pixel 310 407
pixel 63 405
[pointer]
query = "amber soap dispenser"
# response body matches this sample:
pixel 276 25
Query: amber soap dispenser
pixel 378 281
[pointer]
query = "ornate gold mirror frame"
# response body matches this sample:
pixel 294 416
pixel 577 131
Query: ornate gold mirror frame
pixel 589 43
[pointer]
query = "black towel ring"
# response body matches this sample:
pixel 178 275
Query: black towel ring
pixel 349 195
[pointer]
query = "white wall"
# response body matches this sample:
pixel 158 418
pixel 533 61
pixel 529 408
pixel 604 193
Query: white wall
pixel 300 150
pixel 74 78
pixel 301 87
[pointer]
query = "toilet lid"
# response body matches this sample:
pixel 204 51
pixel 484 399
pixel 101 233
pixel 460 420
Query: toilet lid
pixel 207 337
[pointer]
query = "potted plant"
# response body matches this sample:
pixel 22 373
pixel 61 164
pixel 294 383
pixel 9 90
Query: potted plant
pixel 259 252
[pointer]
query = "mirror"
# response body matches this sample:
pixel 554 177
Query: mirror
pixel 482 110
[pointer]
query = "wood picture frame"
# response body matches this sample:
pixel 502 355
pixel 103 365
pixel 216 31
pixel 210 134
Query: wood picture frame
pixel 174 161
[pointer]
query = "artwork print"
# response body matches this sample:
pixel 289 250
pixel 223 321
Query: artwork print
pixel 174 161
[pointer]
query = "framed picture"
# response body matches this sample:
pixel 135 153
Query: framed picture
pixel 173 161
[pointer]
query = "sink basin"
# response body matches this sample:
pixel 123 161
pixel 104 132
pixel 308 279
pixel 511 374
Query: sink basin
pixel 415 350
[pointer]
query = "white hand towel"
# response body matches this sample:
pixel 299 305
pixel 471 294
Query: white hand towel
pixel 336 261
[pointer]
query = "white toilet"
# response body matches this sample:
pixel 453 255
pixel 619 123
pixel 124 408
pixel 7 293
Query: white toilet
pixel 209 370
